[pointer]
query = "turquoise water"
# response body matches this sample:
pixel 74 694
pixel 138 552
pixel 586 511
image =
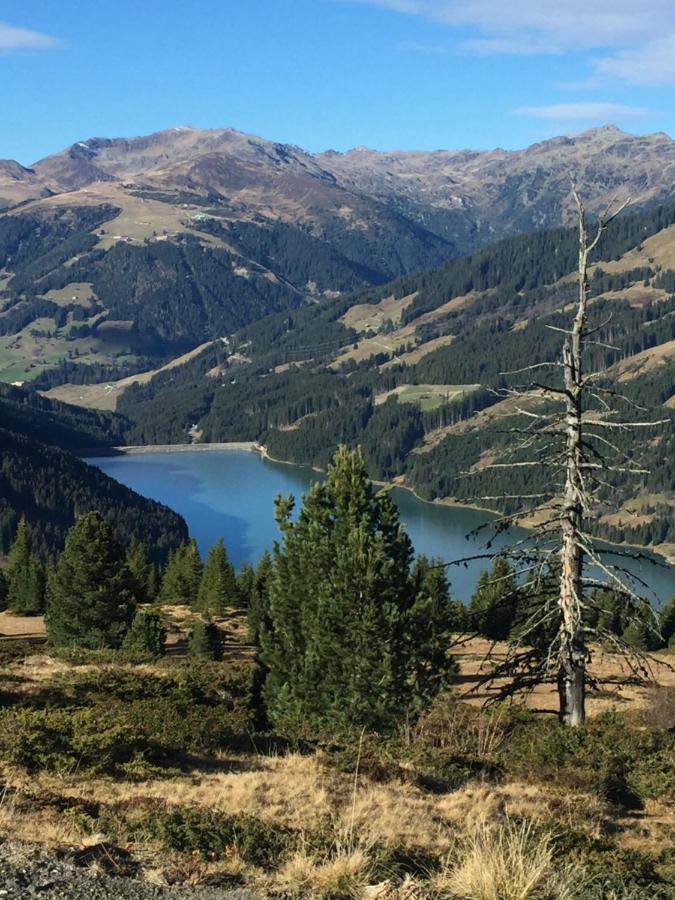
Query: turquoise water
pixel 230 494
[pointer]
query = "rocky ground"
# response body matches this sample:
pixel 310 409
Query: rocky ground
pixel 27 870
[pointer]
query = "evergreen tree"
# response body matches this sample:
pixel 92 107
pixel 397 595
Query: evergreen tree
pixel 183 575
pixel 204 641
pixel 607 612
pixel 432 617
pixel 641 634
pixel 143 572
pixel 245 584
pixel 258 617
pixel 345 640
pixel 90 600
pixel 26 576
pixel 534 623
pixel 430 576
pixel 494 603
pixel 3 591
pixel 667 623
pixel 146 633
pixel 218 586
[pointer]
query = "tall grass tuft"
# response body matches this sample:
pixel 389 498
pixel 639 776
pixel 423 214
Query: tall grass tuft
pixel 513 861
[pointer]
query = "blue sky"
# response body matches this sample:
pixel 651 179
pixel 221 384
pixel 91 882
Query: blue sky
pixel 389 74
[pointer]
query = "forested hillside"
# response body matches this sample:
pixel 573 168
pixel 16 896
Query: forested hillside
pixel 41 480
pixel 413 371
pixel 69 427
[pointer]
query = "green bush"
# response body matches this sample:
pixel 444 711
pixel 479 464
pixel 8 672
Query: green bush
pixel 594 758
pixel 146 634
pixel 108 738
pixel 119 720
pixel 615 785
pixel 212 834
pixel 198 682
pixel 204 641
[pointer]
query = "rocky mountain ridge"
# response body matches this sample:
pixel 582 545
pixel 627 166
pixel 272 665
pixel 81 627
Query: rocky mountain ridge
pixel 495 191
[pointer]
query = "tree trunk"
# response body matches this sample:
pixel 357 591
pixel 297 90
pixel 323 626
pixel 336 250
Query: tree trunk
pixel 572 658
pixel 572 653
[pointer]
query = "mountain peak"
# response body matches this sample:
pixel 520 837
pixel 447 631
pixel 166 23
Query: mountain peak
pixel 607 129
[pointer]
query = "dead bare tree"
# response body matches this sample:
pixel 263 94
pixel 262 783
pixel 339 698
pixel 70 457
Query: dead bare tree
pixel 567 426
pixel 573 654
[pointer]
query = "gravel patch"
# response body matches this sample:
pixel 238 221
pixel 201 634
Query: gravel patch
pixel 28 870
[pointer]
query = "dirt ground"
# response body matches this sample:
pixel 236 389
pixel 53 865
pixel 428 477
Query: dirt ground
pixel 617 685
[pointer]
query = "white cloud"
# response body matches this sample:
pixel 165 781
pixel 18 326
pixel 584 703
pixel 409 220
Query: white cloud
pixel 595 110
pixel 13 38
pixel 632 42
pixel 427 49
pixel 652 63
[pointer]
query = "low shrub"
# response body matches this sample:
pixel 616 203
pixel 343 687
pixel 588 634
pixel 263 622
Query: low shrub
pixel 214 835
pixel 186 681
pixel 205 641
pixel 594 758
pixel 624 874
pixel 118 719
pixel 146 634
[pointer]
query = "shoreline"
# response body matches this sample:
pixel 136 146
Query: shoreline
pixel 262 451
pixel 136 450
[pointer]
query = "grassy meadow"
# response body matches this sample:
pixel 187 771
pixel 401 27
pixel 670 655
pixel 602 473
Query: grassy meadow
pixel 165 766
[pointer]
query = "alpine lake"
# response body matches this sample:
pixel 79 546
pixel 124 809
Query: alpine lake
pixel 230 494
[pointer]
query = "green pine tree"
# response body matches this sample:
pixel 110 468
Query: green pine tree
pixel 26 577
pixel 218 586
pixel 667 623
pixel 90 600
pixel 143 572
pixel 346 639
pixel 183 575
pixel 258 617
pixel 431 619
pixel 642 634
pixel 245 584
pixel 607 612
pixel 429 575
pixel 204 641
pixel 146 634
pixel 494 603
pixel 3 591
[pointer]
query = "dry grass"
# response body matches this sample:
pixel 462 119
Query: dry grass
pixel 22 819
pixel 21 627
pixel 508 862
pixel 398 339
pixel 414 356
pixel 365 316
pixel 79 292
pixel 646 361
pixel 657 250
pixel 609 668
pixel 302 793
pixel 427 396
pixel 346 873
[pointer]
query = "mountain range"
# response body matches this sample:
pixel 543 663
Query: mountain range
pixel 462 196
pixel 118 254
